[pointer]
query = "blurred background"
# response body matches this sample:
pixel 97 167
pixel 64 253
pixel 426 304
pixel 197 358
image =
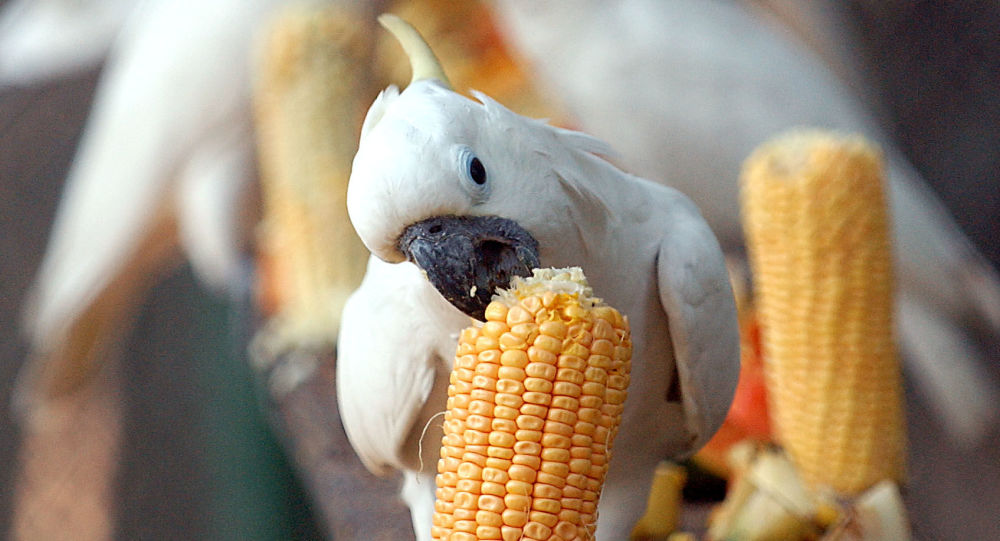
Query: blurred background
pixel 198 456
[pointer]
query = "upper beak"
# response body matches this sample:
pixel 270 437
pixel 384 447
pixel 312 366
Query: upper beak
pixel 467 258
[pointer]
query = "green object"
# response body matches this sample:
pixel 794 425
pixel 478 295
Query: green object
pixel 255 494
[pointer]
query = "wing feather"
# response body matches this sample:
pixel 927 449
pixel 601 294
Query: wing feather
pixel 696 295
pixel 394 354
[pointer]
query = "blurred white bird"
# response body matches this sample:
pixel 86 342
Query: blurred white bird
pixel 165 154
pixel 40 40
pixel 686 89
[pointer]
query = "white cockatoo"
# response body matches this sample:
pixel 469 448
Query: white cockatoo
pixel 453 197
pixel 166 152
pixel 688 88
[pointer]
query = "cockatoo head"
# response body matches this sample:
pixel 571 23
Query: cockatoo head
pixel 442 180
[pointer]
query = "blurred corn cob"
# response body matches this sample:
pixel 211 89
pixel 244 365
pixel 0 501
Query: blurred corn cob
pixel 817 230
pixel 310 98
pixel 535 400
pixel 466 39
pixel 816 227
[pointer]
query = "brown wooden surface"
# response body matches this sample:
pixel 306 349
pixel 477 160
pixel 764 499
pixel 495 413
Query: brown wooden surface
pixel 67 465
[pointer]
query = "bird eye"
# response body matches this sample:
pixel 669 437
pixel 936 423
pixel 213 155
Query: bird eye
pixel 476 171
pixel 476 181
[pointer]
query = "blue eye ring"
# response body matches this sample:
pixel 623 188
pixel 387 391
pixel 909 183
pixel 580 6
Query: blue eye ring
pixel 473 172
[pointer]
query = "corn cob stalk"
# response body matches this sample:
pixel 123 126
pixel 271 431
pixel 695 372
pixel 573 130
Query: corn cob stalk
pixel 776 505
pixel 816 226
pixel 535 400
pixel 309 101
pixel 767 501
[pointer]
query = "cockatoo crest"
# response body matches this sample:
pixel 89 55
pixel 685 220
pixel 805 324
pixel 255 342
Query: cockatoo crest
pixel 378 108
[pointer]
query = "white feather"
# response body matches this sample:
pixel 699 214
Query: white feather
pixel 396 342
pixel 41 40
pixel 378 108
pixel 209 198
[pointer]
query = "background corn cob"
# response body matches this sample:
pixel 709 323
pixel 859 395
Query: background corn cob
pixel 467 41
pixel 535 400
pixel 309 101
pixel 816 225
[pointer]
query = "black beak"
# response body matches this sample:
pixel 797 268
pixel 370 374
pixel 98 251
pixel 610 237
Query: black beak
pixel 468 257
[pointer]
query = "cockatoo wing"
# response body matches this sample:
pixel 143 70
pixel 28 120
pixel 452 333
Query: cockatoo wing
pixel 212 207
pixel 394 357
pixel 42 40
pixel 701 312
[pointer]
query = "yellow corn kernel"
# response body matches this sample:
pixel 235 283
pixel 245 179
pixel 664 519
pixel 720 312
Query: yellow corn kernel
pixel 308 102
pixel 817 231
pixel 552 424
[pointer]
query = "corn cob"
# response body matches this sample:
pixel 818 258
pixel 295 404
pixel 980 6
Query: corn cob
pixel 309 102
pixel 535 400
pixel 816 223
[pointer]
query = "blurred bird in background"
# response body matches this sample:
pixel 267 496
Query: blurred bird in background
pixel 164 160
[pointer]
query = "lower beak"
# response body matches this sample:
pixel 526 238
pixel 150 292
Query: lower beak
pixel 467 258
